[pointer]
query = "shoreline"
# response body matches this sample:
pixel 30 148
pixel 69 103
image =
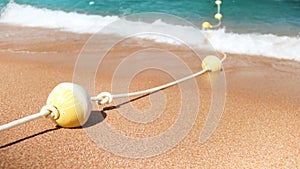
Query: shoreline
pixel 78 39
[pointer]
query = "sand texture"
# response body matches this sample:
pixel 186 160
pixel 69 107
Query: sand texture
pixel 258 129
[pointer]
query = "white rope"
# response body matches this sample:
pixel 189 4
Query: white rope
pixel 218 2
pixel 217 25
pixel 219 8
pixel 103 98
pixel 218 16
pixel 106 97
pixel 46 111
pixel 151 90
pixel 224 57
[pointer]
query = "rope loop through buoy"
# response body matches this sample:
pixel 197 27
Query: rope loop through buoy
pixel 103 98
pixel 53 112
pixel 46 111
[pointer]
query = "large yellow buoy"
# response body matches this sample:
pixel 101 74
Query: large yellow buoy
pixel 73 105
pixel 212 63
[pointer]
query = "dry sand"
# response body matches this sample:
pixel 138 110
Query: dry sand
pixel 259 127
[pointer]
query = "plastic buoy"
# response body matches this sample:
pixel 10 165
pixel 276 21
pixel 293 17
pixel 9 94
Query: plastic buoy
pixel 218 2
pixel 73 105
pixel 218 16
pixel 206 25
pixel 212 63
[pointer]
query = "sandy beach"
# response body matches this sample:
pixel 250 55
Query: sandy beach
pixel 259 127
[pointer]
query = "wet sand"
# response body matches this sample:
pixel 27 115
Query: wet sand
pixel 258 129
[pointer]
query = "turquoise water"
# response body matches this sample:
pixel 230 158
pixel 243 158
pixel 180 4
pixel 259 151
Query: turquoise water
pixel 265 28
pixel 281 17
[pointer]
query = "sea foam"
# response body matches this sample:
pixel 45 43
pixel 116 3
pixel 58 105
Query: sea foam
pixel 253 44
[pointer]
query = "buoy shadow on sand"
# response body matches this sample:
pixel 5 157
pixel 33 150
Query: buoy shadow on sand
pixel 95 118
pixel 98 116
pixel 29 137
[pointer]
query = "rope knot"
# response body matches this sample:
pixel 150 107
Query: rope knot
pixel 53 112
pixel 104 98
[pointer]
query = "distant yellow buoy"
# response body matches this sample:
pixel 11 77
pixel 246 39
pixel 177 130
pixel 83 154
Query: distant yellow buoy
pixel 206 25
pixel 218 2
pixel 73 104
pixel 218 16
pixel 212 63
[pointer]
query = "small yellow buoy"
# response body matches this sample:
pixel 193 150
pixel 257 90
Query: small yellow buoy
pixel 218 2
pixel 206 25
pixel 212 63
pixel 218 16
pixel 73 104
